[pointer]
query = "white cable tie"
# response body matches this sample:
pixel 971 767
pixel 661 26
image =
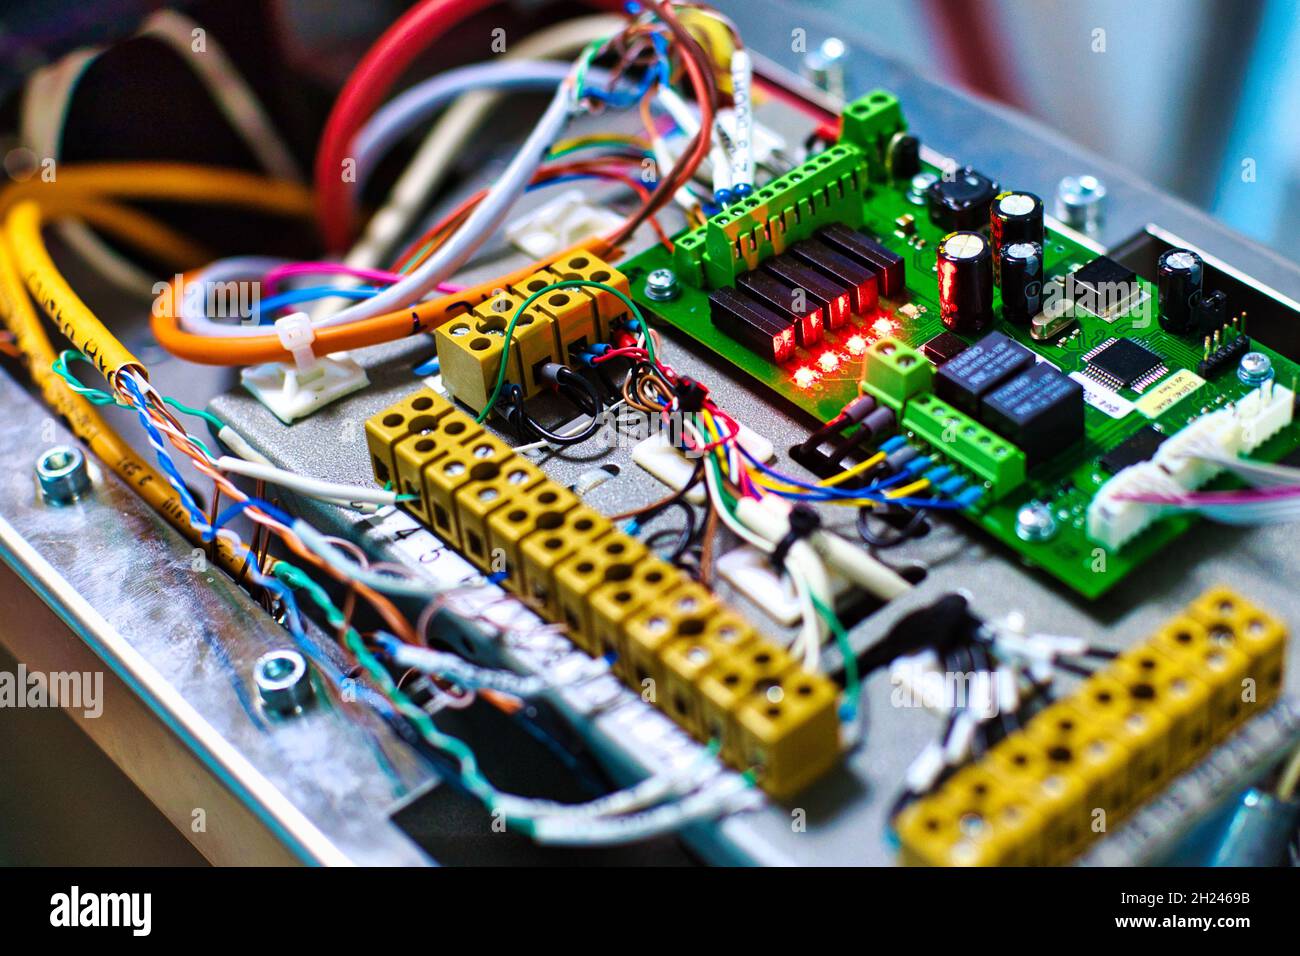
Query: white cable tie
pixel 296 337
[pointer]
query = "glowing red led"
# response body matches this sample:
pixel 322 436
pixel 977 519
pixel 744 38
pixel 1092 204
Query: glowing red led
pixel 829 361
pixel 804 377
pixel 882 327
pixel 857 345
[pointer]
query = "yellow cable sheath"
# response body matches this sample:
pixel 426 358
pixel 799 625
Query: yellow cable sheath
pixel 175 182
pixel 18 315
pixel 78 324
pixel 145 233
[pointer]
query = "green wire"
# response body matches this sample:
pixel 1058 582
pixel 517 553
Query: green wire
pixel 470 774
pixel 852 682
pixel 97 396
pixel 523 307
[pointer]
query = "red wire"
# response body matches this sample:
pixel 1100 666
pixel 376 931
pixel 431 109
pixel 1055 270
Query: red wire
pixel 381 67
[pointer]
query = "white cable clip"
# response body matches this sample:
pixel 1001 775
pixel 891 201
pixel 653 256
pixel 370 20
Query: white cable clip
pixel 296 337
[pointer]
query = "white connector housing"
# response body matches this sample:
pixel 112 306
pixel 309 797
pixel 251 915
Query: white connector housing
pixel 560 223
pixel 295 391
pixel 291 393
pixel 1180 464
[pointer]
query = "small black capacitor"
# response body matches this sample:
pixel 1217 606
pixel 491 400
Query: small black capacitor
pixel 1022 281
pixel 1014 216
pixel 1179 274
pixel 965 266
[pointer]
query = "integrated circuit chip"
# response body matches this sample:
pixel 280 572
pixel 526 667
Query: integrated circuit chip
pixel 1104 288
pixel 943 347
pixel 1139 446
pixel 1124 363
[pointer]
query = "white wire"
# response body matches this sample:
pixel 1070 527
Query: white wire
pixel 428 168
pixel 304 485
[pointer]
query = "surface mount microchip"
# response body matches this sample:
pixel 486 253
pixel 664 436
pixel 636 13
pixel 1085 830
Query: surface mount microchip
pixel 1139 446
pixel 1105 288
pixel 1123 363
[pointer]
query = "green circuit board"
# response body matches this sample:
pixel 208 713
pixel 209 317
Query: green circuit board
pixel 1066 483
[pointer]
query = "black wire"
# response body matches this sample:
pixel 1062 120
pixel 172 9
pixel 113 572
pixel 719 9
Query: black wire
pixel 685 535
pixel 578 392
pixel 910 529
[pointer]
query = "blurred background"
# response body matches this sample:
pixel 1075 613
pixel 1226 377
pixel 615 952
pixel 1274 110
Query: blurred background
pixel 1199 97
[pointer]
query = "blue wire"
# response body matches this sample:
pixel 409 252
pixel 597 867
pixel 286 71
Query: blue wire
pixel 430 367
pixel 310 294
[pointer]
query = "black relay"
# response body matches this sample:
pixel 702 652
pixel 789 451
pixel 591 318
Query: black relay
pixel 966 378
pixel 1040 411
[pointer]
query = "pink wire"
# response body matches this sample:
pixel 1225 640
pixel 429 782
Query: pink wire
pixel 272 279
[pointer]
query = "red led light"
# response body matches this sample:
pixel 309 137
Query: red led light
pixel 829 361
pixel 882 326
pixel 857 345
pixel 783 345
pixel 804 377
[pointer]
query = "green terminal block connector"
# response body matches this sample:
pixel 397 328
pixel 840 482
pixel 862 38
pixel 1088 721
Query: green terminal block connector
pixel 826 188
pixel 870 123
pixel 966 442
pixel 893 372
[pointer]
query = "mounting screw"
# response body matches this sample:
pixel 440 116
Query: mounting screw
pixel 1034 522
pixel 283 681
pixel 661 285
pixel 1079 201
pixel 63 474
pixel 1256 368
pixel 824 66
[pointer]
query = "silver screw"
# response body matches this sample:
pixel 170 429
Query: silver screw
pixel 661 285
pixel 824 66
pixel 1256 368
pixel 1034 522
pixel 63 474
pixel 283 681
pixel 1079 201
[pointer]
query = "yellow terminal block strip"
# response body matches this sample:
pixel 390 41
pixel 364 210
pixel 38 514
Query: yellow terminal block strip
pixel 556 324
pixel 1039 795
pixel 673 642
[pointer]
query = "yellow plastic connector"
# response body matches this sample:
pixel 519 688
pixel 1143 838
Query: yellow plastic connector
pixel 1082 764
pixel 666 633
pixel 470 346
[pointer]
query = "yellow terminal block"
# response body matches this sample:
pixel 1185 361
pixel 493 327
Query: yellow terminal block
pixel 686 660
pixel 607 309
pixel 790 731
pixel 385 430
pixel 710 670
pixel 532 345
pixel 979 821
pixel 489 488
pixel 1222 667
pixel 611 559
pixel 1124 733
pixel 1233 621
pixel 542 550
pixel 682 612
pixel 543 508
pixel 480 459
pixel 612 603
pixel 469 356
pixel 1079 747
pixel 723 687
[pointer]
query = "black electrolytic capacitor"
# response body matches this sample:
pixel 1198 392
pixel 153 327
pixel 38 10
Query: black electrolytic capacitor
pixel 965 264
pixel 1022 281
pixel 1016 217
pixel 1179 274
